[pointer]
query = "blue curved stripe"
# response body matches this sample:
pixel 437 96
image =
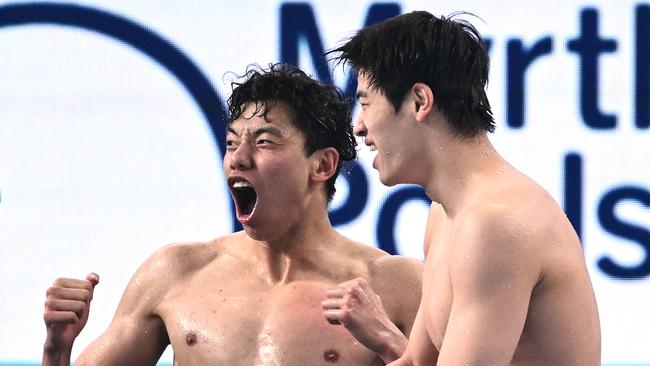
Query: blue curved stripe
pixel 138 37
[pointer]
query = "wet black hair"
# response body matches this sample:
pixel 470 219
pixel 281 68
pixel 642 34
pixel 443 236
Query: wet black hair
pixel 320 112
pixel 448 55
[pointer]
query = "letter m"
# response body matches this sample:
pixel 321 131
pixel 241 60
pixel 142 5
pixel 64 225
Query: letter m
pixel 298 26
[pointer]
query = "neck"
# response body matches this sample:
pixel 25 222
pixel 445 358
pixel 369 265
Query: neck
pixel 302 248
pixel 459 169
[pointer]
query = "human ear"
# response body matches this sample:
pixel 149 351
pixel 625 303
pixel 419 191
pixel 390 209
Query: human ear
pixel 324 164
pixel 424 101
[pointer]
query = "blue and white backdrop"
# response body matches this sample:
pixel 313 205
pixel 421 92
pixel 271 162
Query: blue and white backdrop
pixel 111 128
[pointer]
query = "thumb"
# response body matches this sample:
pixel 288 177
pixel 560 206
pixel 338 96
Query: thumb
pixel 93 278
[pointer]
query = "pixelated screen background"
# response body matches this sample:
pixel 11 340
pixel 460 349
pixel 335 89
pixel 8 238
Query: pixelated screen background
pixel 111 127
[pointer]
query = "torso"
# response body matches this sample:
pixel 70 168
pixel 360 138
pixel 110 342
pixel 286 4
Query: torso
pixel 561 326
pixel 225 313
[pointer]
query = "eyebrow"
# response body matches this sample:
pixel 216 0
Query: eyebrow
pixel 262 130
pixel 361 94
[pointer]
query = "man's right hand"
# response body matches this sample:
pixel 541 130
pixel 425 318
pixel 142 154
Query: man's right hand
pixel 66 311
pixel 356 306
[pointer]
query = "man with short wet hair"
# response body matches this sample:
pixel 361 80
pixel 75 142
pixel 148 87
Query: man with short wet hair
pixel 505 280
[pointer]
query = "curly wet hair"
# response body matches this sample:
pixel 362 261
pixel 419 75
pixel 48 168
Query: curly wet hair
pixel 320 112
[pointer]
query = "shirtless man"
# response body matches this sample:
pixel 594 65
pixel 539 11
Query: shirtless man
pixel 505 280
pixel 274 293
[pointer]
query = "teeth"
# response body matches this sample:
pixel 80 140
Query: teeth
pixel 241 184
pixel 373 148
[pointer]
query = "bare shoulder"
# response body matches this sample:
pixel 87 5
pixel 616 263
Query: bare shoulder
pixel 179 259
pixel 402 268
pixel 398 280
pixel 381 265
pixel 546 228
pixel 513 230
pixel 165 268
pixel 386 273
pixel 519 212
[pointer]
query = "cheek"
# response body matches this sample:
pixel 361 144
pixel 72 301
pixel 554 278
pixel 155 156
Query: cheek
pixel 287 174
pixel 377 122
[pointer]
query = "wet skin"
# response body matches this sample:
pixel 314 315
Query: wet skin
pixel 236 317
pixel 527 289
pixel 214 303
pixel 505 280
pixel 256 297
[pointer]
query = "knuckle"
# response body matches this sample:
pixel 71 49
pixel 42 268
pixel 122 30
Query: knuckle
pixel 47 316
pixel 346 316
pixel 347 299
pixel 88 285
pixel 78 306
pixel 86 295
pixel 59 281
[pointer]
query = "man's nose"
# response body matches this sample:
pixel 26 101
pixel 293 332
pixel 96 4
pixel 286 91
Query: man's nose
pixel 360 128
pixel 240 158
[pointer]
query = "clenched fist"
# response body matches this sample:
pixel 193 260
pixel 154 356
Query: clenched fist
pixel 66 310
pixel 356 306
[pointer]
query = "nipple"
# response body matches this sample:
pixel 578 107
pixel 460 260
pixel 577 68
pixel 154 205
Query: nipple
pixel 190 338
pixel 331 356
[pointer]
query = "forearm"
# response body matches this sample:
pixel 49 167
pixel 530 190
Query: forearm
pixel 53 356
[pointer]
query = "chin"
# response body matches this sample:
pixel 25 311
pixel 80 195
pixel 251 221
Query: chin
pixel 388 183
pixel 261 232
pixel 392 179
pixel 253 234
pixel 387 180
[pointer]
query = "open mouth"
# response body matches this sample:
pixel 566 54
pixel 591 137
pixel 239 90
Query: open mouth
pixel 245 197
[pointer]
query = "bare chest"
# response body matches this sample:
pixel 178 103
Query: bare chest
pixel 224 325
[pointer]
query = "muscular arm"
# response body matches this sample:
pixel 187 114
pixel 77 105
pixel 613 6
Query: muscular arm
pixel 493 269
pixel 131 339
pixel 136 335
